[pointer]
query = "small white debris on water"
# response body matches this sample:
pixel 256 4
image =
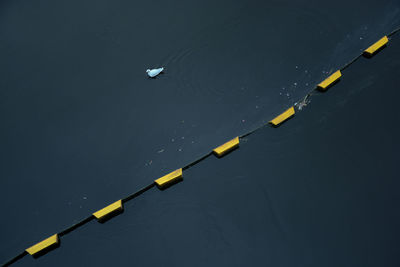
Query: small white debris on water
pixel 85 198
pixel 303 103
pixel 154 72
pixel 160 151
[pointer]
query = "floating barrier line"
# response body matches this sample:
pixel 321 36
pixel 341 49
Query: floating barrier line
pixel 169 179
pixel 43 245
pixel 278 120
pixel 16 258
pixel 377 46
pixel 330 81
pixel 188 166
pixel 148 187
pixel 350 62
pixel 109 211
pixel 227 147
pixel 314 89
pixel 345 66
pixel 76 225
pixel 394 32
pixel 138 193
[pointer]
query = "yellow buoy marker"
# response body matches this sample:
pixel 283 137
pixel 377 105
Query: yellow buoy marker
pixel 330 80
pixel 109 211
pixel 376 46
pixel 227 147
pixel 43 245
pixel 169 179
pixel 283 117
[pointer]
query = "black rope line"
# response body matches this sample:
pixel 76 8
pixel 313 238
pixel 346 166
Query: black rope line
pixel 394 32
pixel 138 193
pixel 196 161
pixel 16 258
pixel 75 226
pixel 148 187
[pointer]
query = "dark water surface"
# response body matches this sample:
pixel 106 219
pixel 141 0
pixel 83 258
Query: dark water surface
pixel 83 126
pixel 321 190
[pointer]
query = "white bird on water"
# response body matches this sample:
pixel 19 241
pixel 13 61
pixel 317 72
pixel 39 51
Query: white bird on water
pixel 154 72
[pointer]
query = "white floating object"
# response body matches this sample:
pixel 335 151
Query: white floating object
pixel 154 72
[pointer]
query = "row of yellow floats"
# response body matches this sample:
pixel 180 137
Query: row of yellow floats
pixel 177 175
pixel 331 80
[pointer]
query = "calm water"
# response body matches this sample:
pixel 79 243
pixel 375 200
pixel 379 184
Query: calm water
pixel 82 126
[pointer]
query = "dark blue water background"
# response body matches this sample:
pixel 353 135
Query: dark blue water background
pixel 82 126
